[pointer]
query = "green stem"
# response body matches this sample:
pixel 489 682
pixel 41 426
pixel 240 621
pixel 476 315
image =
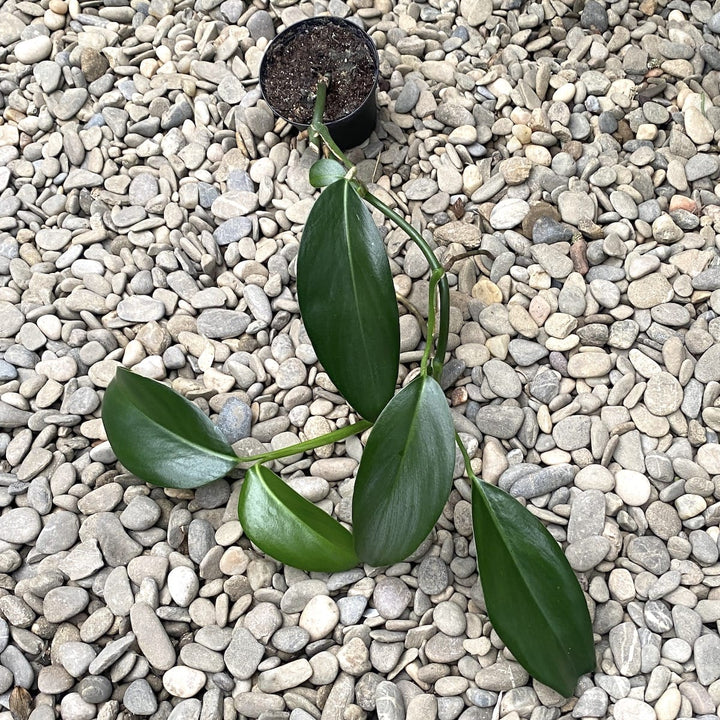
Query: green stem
pixel 318 132
pixel 306 445
pixel 319 135
pixel 444 288
pixel 322 131
pixel 466 457
pixel 434 279
pixel 318 110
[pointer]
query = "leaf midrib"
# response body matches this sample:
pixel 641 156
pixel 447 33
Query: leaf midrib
pixel 206 450
pixel 353 277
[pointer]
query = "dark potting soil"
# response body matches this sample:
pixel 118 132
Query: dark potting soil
pixel 293 70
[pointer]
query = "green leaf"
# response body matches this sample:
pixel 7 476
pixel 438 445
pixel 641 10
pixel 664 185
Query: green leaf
pixel 325 172
pixel 405 475
pixel 532 595
pixel 160 436
pixel 290 528
pixel 347 299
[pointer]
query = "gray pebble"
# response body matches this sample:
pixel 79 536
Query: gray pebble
pixel 500 421
pixel 140 309
pixel 585 554
pixel 95 689
pixel 220 324
pixel 391 596
pixel 232 230
pixel 63 603
pixel 408 97
pixel 139 698
pixel 539 482
pixel 292 640
pixel 389 702
pixel 152 639
pixel 260 25
pixel 650 553
pixel 625 648
pixel 141 513
pixel 59 533
pixel 433 576
pixel 243 654
pixel 706 653
pixel 20 525
pixel 117 547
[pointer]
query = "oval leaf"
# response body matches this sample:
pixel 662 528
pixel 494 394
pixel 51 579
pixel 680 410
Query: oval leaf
pixel 347 299
pixel 160 436
pixel 532 595
pixel 324 172
pixel 405 475
pixel 290 528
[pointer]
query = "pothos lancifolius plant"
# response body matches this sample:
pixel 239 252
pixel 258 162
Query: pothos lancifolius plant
pixel 347 302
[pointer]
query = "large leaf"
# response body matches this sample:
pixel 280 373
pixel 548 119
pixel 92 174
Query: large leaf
pixel 405 475
pixel 532 595
pixel 325 172
pixel 160 436
pixel 347 299
pixel 290 528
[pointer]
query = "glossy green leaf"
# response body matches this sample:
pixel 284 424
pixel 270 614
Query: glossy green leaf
pixel 290 528
pixel 160 436
pixel 325 171
pixel 405 474
pixel 532 595
pixel 347 299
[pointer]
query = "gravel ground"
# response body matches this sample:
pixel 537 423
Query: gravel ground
pixel 150 211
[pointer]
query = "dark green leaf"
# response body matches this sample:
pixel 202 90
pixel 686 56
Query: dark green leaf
pixel 347 299
pixel 160 436
pixel 532 595
pixel 405 474
pixel 290 528
pixel 325 172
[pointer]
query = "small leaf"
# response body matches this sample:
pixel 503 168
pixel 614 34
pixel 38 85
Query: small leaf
pixel 160 436
pixel 325 172
pixel 405 475
pixel 532 595
pixel 290 528
pixel 347 299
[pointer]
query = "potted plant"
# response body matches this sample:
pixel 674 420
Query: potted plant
pixel 346 297
pixel 323 46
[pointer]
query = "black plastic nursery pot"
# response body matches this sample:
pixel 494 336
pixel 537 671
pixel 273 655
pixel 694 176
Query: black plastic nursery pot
pixel 323 46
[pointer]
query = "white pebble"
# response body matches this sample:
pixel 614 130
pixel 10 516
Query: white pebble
pixel 183 682
pixel 319 617
pixel 632 487
pixel 183 585
pixel 33 50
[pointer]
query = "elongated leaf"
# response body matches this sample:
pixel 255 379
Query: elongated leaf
pixel 290 528
pixel 325 172
pixel 532 595
pixel 160 436
pixel 347 299
pixel 405 474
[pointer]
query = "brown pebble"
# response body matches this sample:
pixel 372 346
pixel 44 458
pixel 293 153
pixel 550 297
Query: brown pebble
pixel 590 229
pixel 624 131
pixel 92 64
pixel 538 210
pixel 578 254
pixel 648 7
pixel 682 202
